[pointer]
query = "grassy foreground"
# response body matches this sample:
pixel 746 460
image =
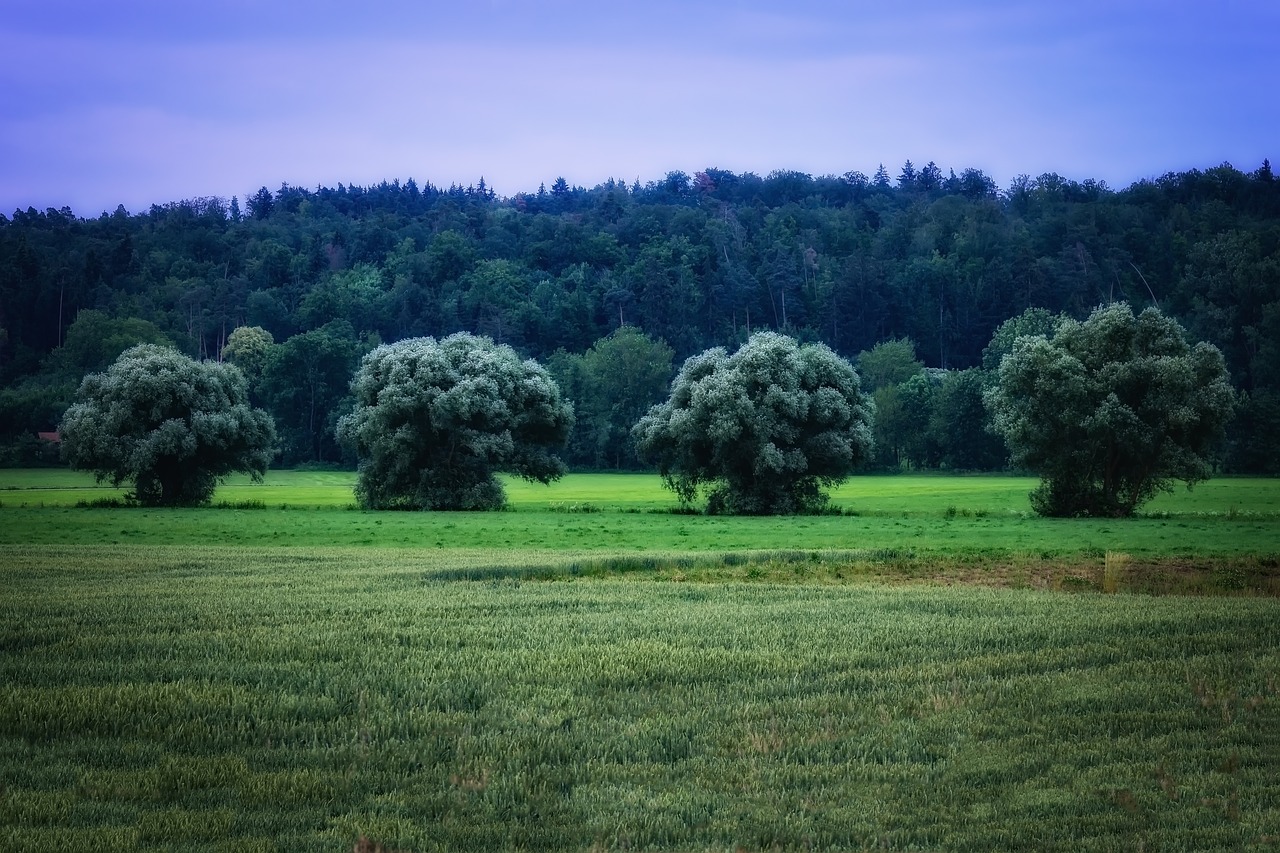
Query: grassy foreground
pixel 300 699
pixel 937 674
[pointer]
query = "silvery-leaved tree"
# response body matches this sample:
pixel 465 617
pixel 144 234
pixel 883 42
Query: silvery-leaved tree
pixel 169 424
pixel 1110 411
pixel 434 420
pixel 763 430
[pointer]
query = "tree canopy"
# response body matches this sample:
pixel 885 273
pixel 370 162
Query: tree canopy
pixel 171 425
pixel 763 429
pixel 94 340
pixel 888 363
pixel 612 385
pixel 248 347
pixel 306 380
pixel 697 260
pixel 1111 410
pixel 433 420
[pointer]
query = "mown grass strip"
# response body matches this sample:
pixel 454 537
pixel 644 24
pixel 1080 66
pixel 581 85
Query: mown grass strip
pixel 554 532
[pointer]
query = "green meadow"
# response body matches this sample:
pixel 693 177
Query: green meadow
pixel 982 519
pixel 932 669
pixel 927 494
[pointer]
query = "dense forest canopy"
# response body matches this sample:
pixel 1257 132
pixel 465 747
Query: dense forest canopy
pixel 934 258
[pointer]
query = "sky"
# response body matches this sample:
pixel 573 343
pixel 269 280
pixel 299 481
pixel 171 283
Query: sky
pixel 141 102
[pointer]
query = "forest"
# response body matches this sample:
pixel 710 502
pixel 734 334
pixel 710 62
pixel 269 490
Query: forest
pixel 912 278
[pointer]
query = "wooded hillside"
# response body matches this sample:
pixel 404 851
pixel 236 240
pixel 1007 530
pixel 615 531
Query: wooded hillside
pixel 936 259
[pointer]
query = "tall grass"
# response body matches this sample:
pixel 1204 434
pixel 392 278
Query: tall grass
pixel 192 698
pixel 1113 568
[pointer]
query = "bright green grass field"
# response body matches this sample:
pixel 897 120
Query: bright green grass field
pixel 300 699
pixel 867 495
pixel 628 514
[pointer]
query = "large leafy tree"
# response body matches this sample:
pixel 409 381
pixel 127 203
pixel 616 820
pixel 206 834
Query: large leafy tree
pixel 1110 411
pixel 171 425
pixel 434 420
pixel 612 385
pixel 884 371
pixel 888 363
pixel 891 427
pixel 248 348
pixel 921 442
pixel 626 373
pixel 959 423
pixel 94 341
pixel 305 382
pixel 763 429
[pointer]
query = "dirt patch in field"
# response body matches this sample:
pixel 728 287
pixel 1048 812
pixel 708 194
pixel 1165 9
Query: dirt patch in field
pixel 1149 576
pixel 1107 573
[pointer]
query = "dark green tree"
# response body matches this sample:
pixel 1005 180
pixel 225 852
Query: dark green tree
pixel 261 203
pixel 434 420
pixel 248 348
pixel 305 381
pixel 94 340
pixel 960 423
pixel 890 428
pixel 171 425
pixel 664 285
pixel 1110 411
pixel 888 363
pixel 355 296
pixel 1033 321
pixel 623 375
pixel 764 430
pixel 922 441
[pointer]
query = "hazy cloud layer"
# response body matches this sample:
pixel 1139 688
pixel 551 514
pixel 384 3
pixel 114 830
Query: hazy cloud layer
pixel 142 102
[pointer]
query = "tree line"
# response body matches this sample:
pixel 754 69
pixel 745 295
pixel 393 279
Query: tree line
pixel 612 287
pixel 1109 411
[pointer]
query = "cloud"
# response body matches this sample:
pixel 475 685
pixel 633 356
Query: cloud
pixel 524 92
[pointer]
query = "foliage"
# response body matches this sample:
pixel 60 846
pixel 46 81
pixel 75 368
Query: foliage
pixel 891 430
pixel 29 408
pixel 612 384
pixel 434 419
pixel 764 429
pixel 171 425
pixel 697 260
pixel 936 419
pixel 1111 410
pixel 960 423
pixel 305 380
pixel 1033 321
pixel 94 341
pixel 248 348
pixel 354 296
pixel 924 437
pixel 888 363
pixel 1256 445
pixel 885 371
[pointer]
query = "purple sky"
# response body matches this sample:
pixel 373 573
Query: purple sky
pixel 147 101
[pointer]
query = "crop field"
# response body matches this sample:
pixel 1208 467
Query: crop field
pixel 933 669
